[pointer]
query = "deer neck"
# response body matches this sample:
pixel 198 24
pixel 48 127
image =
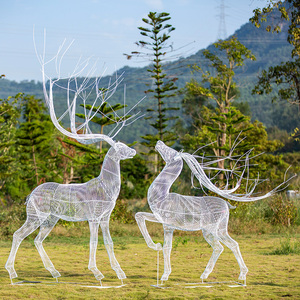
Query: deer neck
pixel 110 170
pixel 160 187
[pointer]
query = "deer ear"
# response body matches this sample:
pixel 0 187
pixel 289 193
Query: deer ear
pixel 177 157
pixel 116 145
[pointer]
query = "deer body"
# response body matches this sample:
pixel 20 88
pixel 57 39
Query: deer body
pixel 179 211
pixel 72 202
pixel 92 201
pixel 80 202
pixel 187 213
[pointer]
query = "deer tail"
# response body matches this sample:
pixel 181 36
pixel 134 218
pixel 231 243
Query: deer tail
pixel 230 206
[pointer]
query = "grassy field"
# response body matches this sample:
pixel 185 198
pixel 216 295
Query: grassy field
pixel 270 276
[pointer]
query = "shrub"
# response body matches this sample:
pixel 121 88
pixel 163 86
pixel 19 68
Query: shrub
pixel 287 247
pixel 11 219
pixel 121 213
pixel 282 211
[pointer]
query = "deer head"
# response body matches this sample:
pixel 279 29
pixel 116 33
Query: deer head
pixel 121 152
pixel 168 154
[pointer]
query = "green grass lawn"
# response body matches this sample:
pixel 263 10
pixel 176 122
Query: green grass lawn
pixel 269 277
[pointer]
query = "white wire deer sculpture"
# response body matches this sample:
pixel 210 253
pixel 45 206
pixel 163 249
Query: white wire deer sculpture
pixel 191 213
pixel 92 201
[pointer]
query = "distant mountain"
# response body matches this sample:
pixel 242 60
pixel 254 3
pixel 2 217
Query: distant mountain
pixel 269 49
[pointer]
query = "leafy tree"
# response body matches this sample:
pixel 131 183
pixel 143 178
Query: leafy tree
pixel 210 130
pixel 221 87
pixel 10 111
pixel 222 123
pixel 158 33
pixel 135 178
pixel 289 10
pixel 192 106
pixel 285 76
pixel 35 137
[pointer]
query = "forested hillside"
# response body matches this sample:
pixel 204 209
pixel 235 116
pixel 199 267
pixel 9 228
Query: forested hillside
pixel 269 49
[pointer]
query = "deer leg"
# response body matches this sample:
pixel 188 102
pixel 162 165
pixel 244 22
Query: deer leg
pixel 234 247
pixel 141 218
pixel 110 249
pixel 168 237
pixel 217 250
pixel 94 226
pixel 31 224
pixel 45 229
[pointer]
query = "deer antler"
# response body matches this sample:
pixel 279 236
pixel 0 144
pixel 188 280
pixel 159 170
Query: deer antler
pixel 81 91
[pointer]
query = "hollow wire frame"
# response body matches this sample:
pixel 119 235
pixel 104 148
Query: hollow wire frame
pixel 191 213
pixel 92 201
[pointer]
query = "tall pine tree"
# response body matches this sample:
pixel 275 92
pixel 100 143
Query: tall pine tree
pixel 156 46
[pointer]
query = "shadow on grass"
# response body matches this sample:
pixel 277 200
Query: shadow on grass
pixel 268 284
pixel 70 275
pixel 140 276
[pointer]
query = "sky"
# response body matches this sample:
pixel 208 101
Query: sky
pixel 103 30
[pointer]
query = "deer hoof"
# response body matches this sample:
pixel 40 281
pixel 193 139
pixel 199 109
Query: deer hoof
pixel 12 272
pixel 99 276
pixel 55 273
pixel 204 275
pixel 13 275
pixel 243 274
pixel 96 273
pixel 165 277
pixel 121 274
